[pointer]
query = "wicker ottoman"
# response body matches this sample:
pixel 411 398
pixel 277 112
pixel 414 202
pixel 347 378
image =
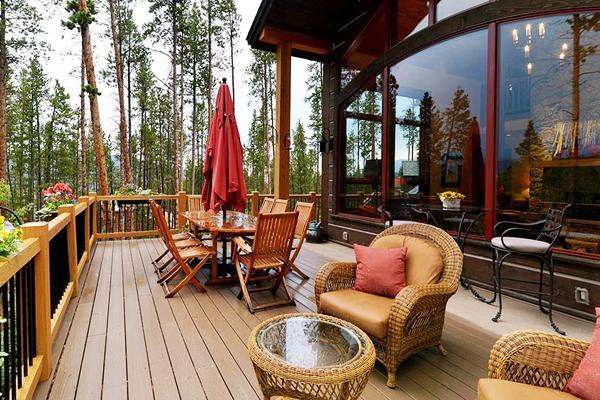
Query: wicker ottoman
pixel 311 356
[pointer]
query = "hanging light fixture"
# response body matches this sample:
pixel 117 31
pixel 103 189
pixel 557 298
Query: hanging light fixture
pixel 515 36
pixel 529 68
pixel 565 47
pixel 526 50
pixel 541 30
pixel 528 32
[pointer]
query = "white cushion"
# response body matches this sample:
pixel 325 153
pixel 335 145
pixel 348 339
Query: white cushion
pixel 521 244
pixel 400 222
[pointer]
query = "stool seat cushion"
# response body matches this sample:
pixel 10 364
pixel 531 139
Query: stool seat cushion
pixel 498 389
pixel 520 244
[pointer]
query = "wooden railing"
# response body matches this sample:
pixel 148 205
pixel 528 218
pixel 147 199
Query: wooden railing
pixel 38 283
pixel 36 286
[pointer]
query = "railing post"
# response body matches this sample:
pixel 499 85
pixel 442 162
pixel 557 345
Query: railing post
pixel 39 230
pixel 86 200
pixel 94 215
pixel 254 205
pixel 71 245
pixel 181 203
pixel 313 199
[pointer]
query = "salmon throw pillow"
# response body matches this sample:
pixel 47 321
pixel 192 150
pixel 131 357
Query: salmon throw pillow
pixel 380 271
pixel 585 383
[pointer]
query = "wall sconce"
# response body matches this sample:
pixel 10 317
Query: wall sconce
pixel 326 142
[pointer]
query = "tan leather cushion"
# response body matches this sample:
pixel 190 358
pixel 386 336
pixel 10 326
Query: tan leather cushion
pixel 497 389
pixel 367 311
pixel 423 261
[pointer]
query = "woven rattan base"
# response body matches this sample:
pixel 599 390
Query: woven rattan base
pixel 278 377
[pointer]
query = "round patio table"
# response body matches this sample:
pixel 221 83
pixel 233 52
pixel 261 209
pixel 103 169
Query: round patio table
pixel 311 356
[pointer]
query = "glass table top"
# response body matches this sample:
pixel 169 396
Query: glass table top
pixel 310 342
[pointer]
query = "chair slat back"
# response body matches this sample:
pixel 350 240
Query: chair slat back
pixel 195 202
pixel 280 206
pixel 157 219
pixel 554 222
pixel 267 205
pixel 274 235
pixel 305 211
pixel 168 237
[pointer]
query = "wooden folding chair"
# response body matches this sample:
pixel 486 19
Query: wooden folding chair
pixel 195 202
pixel 305 213
pixel 182 258
pixel 270 251
pixel 267 205
pixel 280 206
pixel 182 240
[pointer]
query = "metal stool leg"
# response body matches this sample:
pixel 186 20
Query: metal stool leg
pixel 499 281
pixel 551 299
pixel 541 286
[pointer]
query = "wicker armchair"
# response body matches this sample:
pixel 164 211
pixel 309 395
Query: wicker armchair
pixel 416 317
pixel 538 359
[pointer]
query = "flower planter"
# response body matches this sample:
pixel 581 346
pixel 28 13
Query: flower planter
pixel 135 202
pixel 451 203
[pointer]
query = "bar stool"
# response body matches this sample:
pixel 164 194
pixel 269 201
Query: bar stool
pixel 545 233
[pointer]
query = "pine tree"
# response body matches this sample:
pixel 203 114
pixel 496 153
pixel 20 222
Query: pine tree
pixel 301 177
pixel 126 176
pixel 82 15
pixel 314 84
pixel 532 151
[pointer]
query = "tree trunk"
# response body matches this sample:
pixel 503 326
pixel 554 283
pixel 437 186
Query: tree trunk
pixel 126 176
pixel 84 184
pixel 194 126
pixel 181 141
pixel 94 109
pixel 231 58
pixel 576 97
pixel 210 76
pixel 3 77
pixel 174 135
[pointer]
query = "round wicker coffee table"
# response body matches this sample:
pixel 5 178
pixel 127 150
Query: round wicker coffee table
pixel 311 356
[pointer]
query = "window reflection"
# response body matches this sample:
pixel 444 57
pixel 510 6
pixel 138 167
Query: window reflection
pixel 362 172
pixel 438 137
pixel 447 8
pixel 549 125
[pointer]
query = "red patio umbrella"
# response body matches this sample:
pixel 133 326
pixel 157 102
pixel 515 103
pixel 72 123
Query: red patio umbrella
pixel 473 168
pixel 224 183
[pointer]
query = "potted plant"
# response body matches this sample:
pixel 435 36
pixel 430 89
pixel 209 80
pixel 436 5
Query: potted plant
pixel 451 199
pixel 54 197
pixel 10 238
pixel 132 190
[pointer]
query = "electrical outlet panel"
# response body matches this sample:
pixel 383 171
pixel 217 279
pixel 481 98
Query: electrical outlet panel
pixel 345 236
pixel 582 296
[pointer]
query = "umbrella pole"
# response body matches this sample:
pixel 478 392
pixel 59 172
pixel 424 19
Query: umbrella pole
pixel 224 260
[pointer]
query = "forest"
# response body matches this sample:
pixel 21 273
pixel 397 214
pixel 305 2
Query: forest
pixel 50 133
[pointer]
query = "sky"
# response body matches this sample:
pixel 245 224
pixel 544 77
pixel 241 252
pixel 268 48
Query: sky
pixel 63 63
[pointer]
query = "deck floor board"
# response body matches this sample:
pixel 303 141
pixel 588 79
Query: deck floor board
pixel 122 339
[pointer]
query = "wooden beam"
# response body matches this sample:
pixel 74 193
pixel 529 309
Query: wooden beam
pixel 282 124
pixel 39 230
pixel 297 41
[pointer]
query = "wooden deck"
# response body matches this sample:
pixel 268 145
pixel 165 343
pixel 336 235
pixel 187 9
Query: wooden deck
pixel 122 339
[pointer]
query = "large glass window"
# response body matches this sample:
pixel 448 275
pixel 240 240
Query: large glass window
pixel 362 144
pixel 447 8
pixel 549 123
pixel 438 110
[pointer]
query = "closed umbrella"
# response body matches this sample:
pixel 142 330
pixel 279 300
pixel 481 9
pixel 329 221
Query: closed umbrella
pixel 473 168
pixel 224 184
